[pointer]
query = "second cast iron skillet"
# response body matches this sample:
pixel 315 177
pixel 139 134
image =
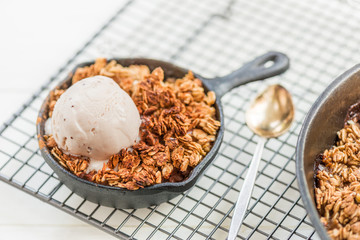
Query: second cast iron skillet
pixel 153 195
pixel 319 131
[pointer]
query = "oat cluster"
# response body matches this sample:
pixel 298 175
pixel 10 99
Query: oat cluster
pixel 178 127
pixel 338 185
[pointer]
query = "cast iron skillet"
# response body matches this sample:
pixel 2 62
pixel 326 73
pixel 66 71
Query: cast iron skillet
pixel 156 194
pixel 318 132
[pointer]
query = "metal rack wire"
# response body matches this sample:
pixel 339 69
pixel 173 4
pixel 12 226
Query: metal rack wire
pixel 211 38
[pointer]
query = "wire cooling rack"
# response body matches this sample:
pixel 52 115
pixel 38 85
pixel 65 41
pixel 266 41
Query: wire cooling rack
pixel 211 38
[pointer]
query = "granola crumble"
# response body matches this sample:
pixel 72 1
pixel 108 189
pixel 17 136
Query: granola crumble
pixel 337 193
pixel 178 127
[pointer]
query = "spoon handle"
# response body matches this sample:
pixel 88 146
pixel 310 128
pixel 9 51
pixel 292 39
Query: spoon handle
pixel 246 191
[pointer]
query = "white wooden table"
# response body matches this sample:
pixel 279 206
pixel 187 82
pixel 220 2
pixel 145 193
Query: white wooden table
pixel 36 38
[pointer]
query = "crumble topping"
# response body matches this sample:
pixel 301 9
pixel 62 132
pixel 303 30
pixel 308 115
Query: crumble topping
pixel 337 191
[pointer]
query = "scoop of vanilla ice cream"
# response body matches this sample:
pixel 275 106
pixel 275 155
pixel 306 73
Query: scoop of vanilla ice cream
pixel 95 118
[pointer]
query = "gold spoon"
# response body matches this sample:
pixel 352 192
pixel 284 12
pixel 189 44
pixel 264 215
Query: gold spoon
pixel 269 116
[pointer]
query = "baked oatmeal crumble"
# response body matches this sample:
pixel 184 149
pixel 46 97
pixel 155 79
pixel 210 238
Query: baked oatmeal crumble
pixel 178 127
pixel 338 185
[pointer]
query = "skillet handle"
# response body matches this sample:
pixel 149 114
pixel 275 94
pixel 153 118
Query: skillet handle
pixel 251 71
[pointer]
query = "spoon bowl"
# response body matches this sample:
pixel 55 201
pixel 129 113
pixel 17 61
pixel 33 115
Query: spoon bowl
pixel 270 115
